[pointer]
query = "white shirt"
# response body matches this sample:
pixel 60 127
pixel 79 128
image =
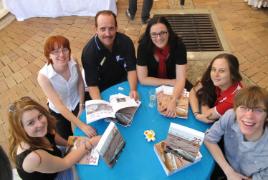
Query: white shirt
pixel 67 90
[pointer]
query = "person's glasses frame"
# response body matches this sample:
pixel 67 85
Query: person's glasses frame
pixel 254 110
pixel 154 35
pixel 57 52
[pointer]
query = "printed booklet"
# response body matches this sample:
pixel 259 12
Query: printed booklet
pixel 180 149
pixel 91 158
pixel 164 96
pixel 120 109
pixel 110 145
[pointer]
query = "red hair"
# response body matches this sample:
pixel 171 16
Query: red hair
pixel 54 41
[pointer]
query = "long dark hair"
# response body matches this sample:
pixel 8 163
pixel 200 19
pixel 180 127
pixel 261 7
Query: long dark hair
pixel 145 40
pixel 207 94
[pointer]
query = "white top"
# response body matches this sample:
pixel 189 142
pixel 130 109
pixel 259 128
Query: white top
pixel 67 90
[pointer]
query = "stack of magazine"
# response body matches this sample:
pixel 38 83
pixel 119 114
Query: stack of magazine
pixel 180 149
pixel 109 147
pixel 164 96
pixel 120 109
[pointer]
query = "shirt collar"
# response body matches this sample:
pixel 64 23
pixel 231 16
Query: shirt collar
pixel 101 47
pixel 231 90
pixel 52 72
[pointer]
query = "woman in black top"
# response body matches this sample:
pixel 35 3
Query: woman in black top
pixel 33 142
pixel 162 59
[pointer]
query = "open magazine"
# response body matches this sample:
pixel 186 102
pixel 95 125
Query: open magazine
pixel 91 158
pixel 180 149
pixel 120 109
pixel 164 96
pixel 110 145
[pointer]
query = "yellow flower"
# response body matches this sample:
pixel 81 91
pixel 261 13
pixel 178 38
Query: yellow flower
pixel 149 135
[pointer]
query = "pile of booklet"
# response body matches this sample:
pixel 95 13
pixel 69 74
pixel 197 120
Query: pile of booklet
pixel 180 149
pixel 164 96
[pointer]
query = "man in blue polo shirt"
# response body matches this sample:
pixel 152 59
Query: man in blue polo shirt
pixel 109 57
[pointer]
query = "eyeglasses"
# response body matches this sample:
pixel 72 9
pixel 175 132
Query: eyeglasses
pixel 255 110
pixel 57 52
pixel 154 35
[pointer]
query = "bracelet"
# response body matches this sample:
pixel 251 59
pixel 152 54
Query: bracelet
pixel 196 113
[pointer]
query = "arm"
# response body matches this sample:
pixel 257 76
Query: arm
pixel 179 86
pixel 53 96
pixel 143 77
pixel 132 80
pixel 220 159
pixel 207 115
pixel 94 92
pixel 81 91
pixel 42 161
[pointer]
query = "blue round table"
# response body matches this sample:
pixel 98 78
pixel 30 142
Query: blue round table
pixel 138 160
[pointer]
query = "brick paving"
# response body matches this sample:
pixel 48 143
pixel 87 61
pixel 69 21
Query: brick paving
pixel 21 45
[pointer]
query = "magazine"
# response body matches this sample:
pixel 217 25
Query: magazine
pixel 91 158
pixel 164 96
pixel 120 109
pixel 110 145
pixel 180 149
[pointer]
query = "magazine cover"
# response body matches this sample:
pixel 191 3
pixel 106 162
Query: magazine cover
pixel 91 158
pixel 120 109
pixel 180 149
pixel 110 145
pixel 164 96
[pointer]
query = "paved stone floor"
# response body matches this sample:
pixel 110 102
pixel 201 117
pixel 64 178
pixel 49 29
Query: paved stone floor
pixel 21 45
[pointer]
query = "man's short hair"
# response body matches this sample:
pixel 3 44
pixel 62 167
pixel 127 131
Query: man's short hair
pixel 105 12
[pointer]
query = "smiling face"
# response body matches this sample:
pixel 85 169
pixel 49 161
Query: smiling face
pixel 106 30
pixel 60 55
pixel 251 121
pixel 220 74
pixel 34 123
pixel 159 35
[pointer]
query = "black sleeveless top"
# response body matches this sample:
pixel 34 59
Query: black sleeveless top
pixel 37 175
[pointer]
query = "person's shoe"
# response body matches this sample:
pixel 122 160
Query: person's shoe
pixel 145 21
pixel 130 17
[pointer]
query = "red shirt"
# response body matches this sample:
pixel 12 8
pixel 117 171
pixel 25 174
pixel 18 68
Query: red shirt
pixel 225 98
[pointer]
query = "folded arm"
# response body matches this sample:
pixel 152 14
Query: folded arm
pixel 143 77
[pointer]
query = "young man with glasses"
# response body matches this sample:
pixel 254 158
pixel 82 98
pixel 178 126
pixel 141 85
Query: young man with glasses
pixel 162 59
pixel 245 133
pixel 109 57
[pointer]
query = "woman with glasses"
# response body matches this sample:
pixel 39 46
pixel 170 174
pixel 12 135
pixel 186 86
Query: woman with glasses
pixel 245 133
pixel 211 97
pixel 162 59
pixel 61 81
pixel 33 143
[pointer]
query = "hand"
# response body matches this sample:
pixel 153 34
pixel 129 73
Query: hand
pixel 88 130
pixel 171 110
pixel 134 94
pixel 95 140
pixel 236 176
pixel 203 117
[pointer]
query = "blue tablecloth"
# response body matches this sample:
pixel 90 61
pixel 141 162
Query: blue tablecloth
pixel 138 160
